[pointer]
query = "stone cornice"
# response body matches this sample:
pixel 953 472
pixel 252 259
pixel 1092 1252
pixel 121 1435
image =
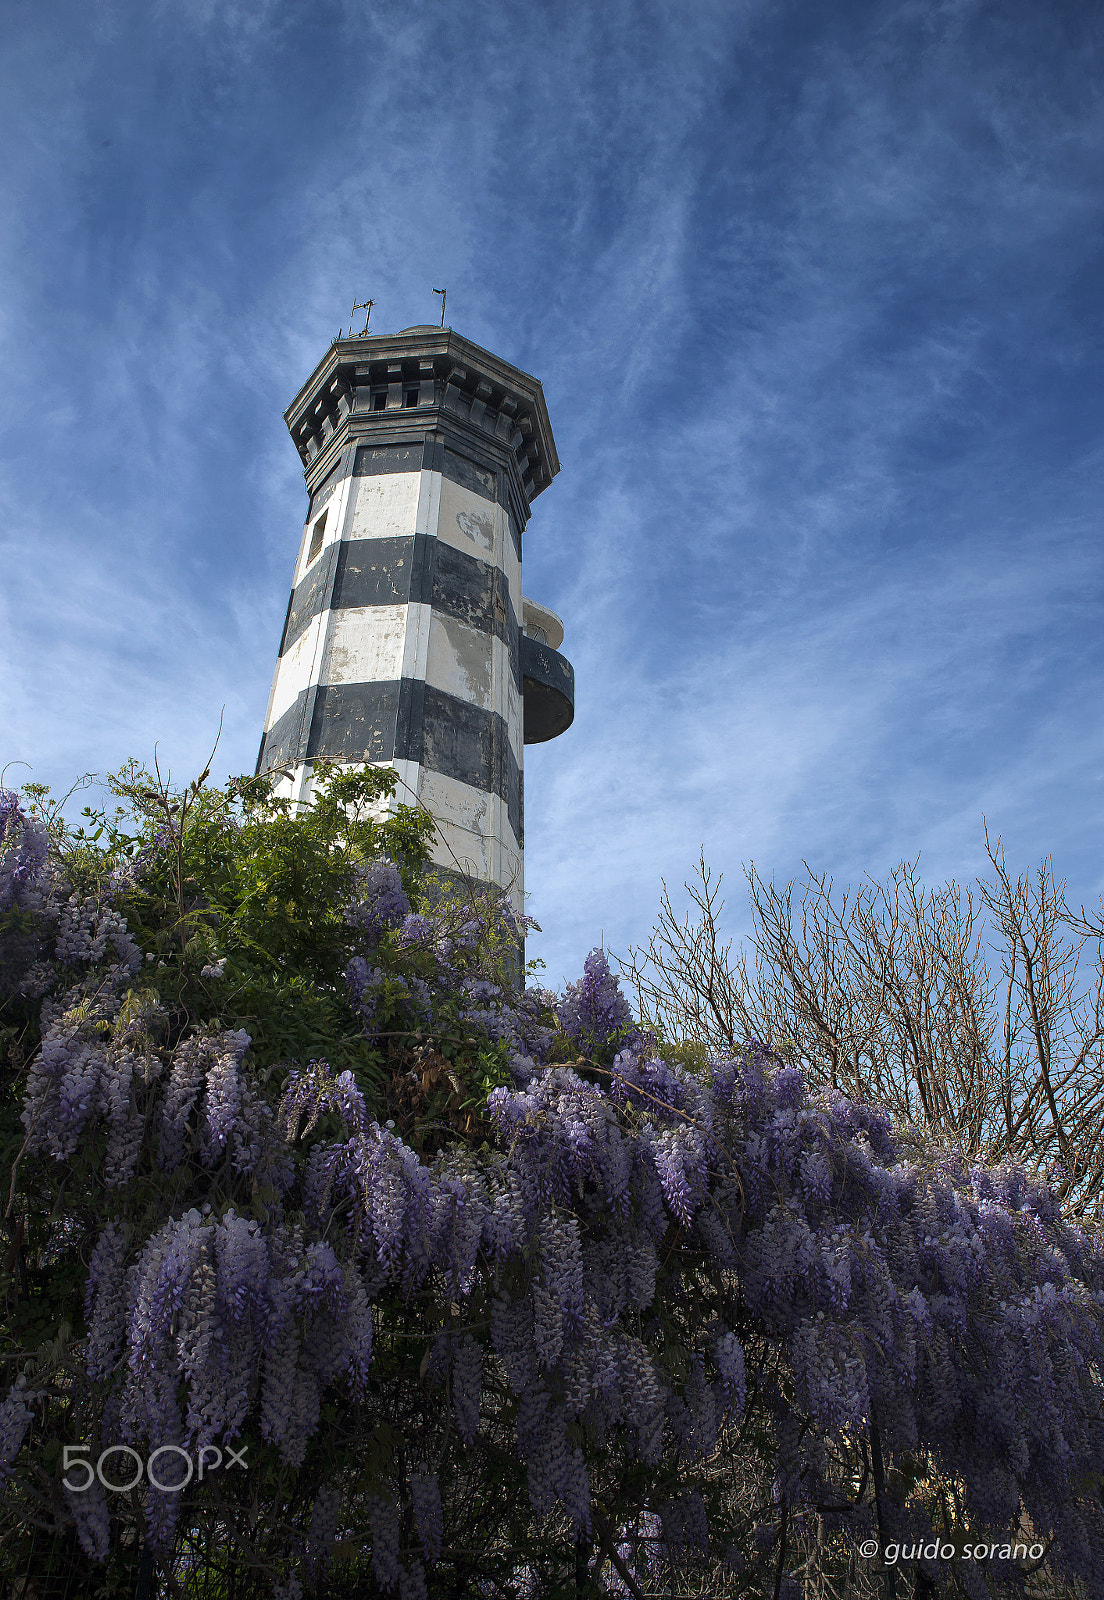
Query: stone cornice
pixel 363 388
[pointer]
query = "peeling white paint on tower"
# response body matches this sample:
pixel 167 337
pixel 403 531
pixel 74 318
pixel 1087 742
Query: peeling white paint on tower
pixel 407 639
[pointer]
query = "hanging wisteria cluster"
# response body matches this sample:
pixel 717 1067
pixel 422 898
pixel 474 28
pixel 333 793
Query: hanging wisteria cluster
pixel 307 1258
pixel 28 894
pixel 594 1010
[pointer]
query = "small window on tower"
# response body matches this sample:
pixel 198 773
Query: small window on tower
pixel 379 402
pixel 412 397
pixel 317 535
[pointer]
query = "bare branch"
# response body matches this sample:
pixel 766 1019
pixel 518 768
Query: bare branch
pixel 886 994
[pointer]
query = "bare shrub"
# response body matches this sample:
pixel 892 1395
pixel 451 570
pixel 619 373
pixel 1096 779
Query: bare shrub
pixel 887 993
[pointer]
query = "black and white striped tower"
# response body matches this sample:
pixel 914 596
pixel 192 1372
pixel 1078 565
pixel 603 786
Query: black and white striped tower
pixel 407 639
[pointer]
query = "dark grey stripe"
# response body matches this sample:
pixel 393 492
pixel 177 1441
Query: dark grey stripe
pixel 423 567
pixel 515 780
pixel 354 722
pixel 370 572
pixel 411 718
pixel 400 720
pixel 481 477
pixel 280 745
pixel 375 458
pixel 287 623
pixel 473 475
pixel 326 488
pixel 470 474
pixel 309 597
pixel 470 744
pixel 458 739
pixel 376 572
pixel 373 572
pixel 431 455
pixel 473 592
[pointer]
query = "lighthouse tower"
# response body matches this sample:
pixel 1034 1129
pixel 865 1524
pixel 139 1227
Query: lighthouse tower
pixel 408 640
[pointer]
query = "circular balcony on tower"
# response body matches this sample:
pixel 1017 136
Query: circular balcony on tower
pixel 548 678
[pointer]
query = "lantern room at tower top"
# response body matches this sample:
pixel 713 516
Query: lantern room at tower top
pixel 408 639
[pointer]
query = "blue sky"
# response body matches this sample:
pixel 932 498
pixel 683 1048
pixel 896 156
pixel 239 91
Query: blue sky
pixel 815 294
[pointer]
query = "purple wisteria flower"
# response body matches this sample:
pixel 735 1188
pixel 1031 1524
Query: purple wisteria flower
pixel 513 1341
pixel 313 1091
pixel 24 849
pixel 416 929
pixel 467 1381
pixel 425 1494
pixel 412 1582
pixel 594 1011
pixel 729 1355
pixel 186 1074
pixel 558 1298
pixel 65 1081
pixel 365 984
pixel 117 1100
pixel 105 1307
pixel 381 902
pixel 85 928
pixel 951 1306
pixel 322 1534
pixel 93 1519
pixel 15 1418
pixel 223 1098
pixel 685 1526
pixel 385 1528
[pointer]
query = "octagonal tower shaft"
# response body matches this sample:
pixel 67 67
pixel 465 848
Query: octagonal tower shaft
pixel 407 639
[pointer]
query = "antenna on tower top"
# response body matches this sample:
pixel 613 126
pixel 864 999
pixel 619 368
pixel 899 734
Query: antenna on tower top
pixel 366 307
pixel 442 293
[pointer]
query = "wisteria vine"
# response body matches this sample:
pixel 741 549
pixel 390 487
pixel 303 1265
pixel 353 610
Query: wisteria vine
pixel 538 1273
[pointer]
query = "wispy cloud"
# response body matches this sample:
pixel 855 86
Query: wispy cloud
pixel 812 292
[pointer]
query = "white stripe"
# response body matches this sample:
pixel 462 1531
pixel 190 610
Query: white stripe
pixel 379 644
pixel 467 522
pixel 365 644
pixel 416 643
pixel 386 506
pixel 335 510
pixel 293 671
